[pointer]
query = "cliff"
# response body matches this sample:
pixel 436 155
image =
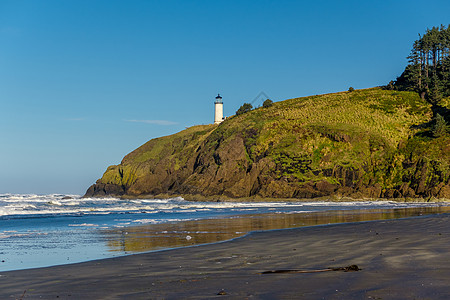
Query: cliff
pixel 366 143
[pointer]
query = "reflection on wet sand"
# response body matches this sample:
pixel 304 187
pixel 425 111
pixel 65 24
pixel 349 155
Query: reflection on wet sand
pixel 180 234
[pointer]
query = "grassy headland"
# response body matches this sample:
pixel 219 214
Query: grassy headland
pixel 370 143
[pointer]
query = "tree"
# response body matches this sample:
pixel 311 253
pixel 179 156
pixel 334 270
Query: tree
pixel 428 71
pixel 435 91
pixel 267 103
pixel 390 85
pixel 440 126
pixel 246 107
pixel 351 89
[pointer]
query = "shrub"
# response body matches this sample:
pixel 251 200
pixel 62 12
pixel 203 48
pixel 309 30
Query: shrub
pixel 267 103
pixel 351 89
pixel 246 107
pixel 440 127
pixel 390 86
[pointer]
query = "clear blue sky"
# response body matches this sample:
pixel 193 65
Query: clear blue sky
pixel 82 83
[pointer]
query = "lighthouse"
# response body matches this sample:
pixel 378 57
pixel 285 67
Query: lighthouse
pixel 218 110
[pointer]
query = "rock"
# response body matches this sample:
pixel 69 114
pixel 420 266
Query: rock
pixel 325 187
pixel 389 193
pixel 371 191
pixel 222 293
pixel 444 192
pixel 101 190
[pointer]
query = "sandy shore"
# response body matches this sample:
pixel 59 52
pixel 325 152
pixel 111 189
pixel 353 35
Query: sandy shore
pixel 400 259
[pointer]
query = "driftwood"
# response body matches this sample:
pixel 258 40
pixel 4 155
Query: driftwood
pixel 350 268
pixel 23 295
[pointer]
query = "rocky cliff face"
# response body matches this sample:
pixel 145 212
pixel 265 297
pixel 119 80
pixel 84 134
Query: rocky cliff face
pixel 369 143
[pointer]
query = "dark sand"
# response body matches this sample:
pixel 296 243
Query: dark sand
pixel 400 259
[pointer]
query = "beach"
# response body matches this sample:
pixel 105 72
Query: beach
pixel 399 259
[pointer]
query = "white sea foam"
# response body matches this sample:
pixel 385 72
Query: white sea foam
pixel 55 204
pixel 146 221
pixel 10 234
pixel 83 225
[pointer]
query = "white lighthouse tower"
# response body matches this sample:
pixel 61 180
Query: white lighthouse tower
pixel 218 110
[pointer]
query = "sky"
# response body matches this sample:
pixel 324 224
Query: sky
pixel 84 82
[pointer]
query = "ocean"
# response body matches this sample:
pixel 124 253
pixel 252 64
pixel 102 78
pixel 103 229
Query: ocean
pixel 47 230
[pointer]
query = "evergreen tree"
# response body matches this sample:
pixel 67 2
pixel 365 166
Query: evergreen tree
pixel 440 126
pixel 267 103
pixel 246 107
pixel 428 71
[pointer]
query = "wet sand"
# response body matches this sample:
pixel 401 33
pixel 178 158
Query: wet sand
pixel 400 259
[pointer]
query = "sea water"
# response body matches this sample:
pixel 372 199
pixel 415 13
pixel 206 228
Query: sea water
pixel 46 230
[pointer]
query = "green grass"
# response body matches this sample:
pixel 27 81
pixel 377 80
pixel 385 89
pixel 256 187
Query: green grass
pixel 306 135
pixel 346 129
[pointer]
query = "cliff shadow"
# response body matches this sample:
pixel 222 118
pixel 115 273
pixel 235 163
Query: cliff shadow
pixel 426 129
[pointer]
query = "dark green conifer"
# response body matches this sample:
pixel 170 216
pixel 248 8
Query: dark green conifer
pixel 246 107
pixel 428 71
pixel 267 103
pixel 440 127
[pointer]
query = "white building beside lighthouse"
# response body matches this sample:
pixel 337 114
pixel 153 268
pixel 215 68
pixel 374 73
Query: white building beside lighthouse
pixel 218 110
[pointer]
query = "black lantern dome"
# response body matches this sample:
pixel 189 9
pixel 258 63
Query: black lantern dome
pixel 218 99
